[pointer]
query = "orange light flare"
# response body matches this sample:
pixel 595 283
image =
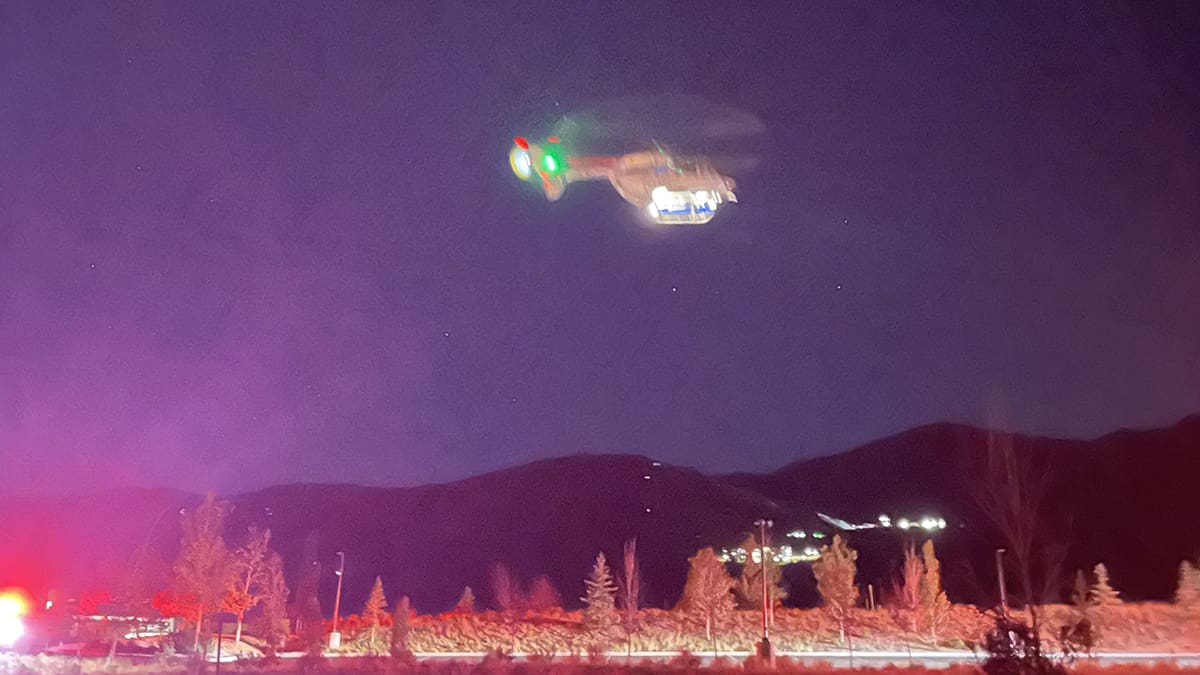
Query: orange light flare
pixel 14 604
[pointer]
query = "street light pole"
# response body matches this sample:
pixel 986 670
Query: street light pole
pixel 1000 579
pixel 335 638
pixel 765 646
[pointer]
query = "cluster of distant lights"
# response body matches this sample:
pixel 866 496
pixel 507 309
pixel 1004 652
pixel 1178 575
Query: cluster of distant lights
pixel 781 555
pixel 788 554
pixel 927 523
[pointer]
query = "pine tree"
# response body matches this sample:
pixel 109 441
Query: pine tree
pixel 600 599
pixel 203 568
pixel 466 602
pixel 1187 593
pixel 933 600
pixel 373 614
pixel 749 584
pixel 835 570
pixel 708 594
pixel 1102 594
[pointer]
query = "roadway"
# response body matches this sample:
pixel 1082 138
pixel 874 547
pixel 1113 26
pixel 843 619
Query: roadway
pixel 847 659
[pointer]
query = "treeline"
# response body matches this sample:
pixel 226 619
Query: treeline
pixel 245 578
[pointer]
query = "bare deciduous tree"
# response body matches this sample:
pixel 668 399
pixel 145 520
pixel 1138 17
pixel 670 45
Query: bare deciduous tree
pixel 274 595
pixel 506 591
pixel 630 590
pixel 204 567
pixel 249 569
pixel 1013 496
pixel 543 596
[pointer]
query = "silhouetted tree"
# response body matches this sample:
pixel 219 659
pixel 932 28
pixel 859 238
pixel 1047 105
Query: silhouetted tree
pixel 708 594
pixel 1013 494
pixel 835 570
pixel 203 568
pixel 1016 649
pixel 145 574
pixel 305 610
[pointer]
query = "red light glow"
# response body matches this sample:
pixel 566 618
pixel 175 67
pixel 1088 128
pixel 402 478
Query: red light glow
pixel 521 142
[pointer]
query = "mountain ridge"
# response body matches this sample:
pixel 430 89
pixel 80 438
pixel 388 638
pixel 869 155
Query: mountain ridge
pixel 552 515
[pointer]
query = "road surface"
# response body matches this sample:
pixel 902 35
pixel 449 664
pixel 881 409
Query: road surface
pixel 846 659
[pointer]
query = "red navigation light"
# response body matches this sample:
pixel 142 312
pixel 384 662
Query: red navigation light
pixel 552 139
pixel 521 142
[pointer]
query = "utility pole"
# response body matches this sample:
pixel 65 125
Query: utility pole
pixel 765 650
pixel 1000 579
pixel 335 638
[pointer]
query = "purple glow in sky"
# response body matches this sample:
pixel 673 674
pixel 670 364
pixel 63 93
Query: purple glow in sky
pixel 249 243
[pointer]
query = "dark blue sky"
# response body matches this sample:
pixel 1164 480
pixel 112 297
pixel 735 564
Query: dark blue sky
pixel 247 243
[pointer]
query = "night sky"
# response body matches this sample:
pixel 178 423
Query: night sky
pixel 251 243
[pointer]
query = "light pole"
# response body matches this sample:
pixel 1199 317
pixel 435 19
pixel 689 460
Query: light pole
pixel 335 638
pixel 1000 579
pixel 765 646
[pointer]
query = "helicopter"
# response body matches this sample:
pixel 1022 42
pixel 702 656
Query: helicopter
pixel 670 190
